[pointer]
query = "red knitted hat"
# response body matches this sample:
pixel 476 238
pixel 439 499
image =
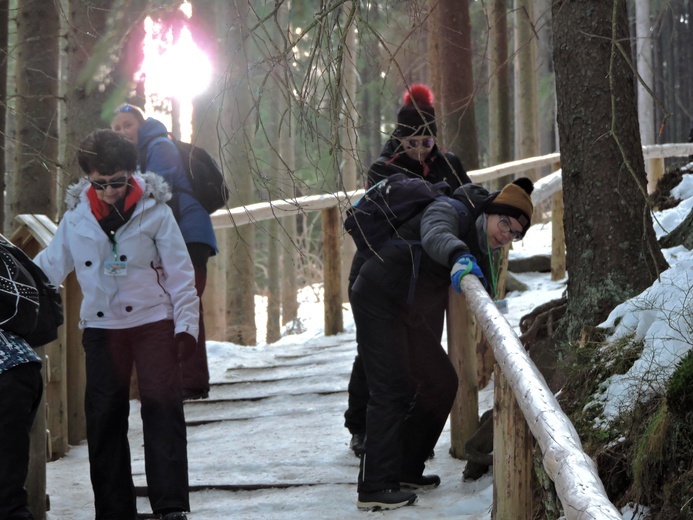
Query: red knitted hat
pixel 417 116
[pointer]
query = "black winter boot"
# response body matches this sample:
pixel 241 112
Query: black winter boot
pixel 423 482
pixel 385 499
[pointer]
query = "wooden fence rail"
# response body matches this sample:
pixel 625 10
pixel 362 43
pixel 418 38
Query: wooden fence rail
pixel 574 474
pixel 578 486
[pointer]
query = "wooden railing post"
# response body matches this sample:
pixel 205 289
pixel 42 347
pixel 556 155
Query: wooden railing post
pixel 655 171
pixel 512 456
pixel 332 264
pixel 56 394
pixel 36 478
pixel 463 336
pixel 214 297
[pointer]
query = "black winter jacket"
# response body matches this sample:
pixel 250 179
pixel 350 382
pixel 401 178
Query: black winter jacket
pixel 444 236
pixel 437 167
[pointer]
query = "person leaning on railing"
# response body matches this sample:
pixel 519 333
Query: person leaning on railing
pixel 411 381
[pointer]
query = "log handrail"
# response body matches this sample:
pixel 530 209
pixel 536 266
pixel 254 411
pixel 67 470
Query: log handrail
pixel 544 187
pixel 575 476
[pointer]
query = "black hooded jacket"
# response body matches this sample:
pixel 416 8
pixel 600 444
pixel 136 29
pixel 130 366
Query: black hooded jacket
pixel 444 235
pixel 437 167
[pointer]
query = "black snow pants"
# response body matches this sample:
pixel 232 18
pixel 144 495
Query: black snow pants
pixel 412 385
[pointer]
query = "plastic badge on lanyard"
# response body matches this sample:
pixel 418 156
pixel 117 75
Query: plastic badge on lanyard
pixel 116 267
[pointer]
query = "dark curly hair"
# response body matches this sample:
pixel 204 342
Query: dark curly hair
pixel 106 152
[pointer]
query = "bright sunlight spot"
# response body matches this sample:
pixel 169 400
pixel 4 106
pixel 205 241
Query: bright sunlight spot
pixel 174 69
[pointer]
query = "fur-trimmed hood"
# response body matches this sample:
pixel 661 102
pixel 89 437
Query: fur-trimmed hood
pixel 153 186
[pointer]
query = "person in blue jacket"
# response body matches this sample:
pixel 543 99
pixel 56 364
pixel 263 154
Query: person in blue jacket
pixel 158 154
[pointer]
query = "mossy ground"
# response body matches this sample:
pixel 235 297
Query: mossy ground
pixel 643 456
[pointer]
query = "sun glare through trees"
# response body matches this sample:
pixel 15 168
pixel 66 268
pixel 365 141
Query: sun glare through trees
pixel 174 65
pixel 174 68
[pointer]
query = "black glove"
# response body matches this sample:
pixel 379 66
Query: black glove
pixel 186 345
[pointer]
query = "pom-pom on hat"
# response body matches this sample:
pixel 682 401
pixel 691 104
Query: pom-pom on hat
pixel 417 116
pixel 515 201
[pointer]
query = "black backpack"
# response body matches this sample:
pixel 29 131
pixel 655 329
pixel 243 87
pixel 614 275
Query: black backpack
pixel 374 219
pixel 206 178
pixel 38 313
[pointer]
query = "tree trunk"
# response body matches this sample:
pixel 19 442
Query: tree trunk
pixel 290 251
pixel 546 93
pixel 4 20
pixel 236 128
pixel 526 90
pixel 36 122
pixel 500 146
pixel 645 71
pixel 279 127
pixel 370 65
pixel 83 104
pixel 612 252
pixel 435 65
pixel 457 81
pixel 350 122
pixel 208 31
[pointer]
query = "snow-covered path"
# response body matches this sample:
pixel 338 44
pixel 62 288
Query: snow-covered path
pixel 269 443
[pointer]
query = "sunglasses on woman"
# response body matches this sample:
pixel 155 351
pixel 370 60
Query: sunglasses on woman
pixel 415 143
pixel 116 183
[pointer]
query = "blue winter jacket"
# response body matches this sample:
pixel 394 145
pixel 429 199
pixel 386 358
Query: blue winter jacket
pixel 158 153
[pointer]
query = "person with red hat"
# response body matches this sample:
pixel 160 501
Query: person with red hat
pixel 412 149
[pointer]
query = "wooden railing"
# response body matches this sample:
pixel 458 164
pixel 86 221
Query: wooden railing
pixel 573 473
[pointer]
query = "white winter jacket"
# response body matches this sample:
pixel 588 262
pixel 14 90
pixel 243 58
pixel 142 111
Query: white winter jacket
pixel 160 280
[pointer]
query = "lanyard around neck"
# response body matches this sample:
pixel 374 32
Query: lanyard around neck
pixel 494 275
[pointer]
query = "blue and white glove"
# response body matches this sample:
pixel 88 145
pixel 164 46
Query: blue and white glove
pixel 464 265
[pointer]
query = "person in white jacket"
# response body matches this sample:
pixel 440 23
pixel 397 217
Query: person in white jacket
pixel 139 306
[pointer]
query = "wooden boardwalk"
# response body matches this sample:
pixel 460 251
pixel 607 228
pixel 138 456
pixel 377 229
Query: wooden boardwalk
pixel 269 443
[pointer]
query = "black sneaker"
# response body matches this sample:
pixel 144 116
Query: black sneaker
pixel 385 499
pixel 358 444
pixel 423 482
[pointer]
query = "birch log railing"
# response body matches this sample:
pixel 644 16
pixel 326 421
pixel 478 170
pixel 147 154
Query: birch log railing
pixel 578 486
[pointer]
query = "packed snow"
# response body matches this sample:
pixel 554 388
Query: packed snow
pixel 661 317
